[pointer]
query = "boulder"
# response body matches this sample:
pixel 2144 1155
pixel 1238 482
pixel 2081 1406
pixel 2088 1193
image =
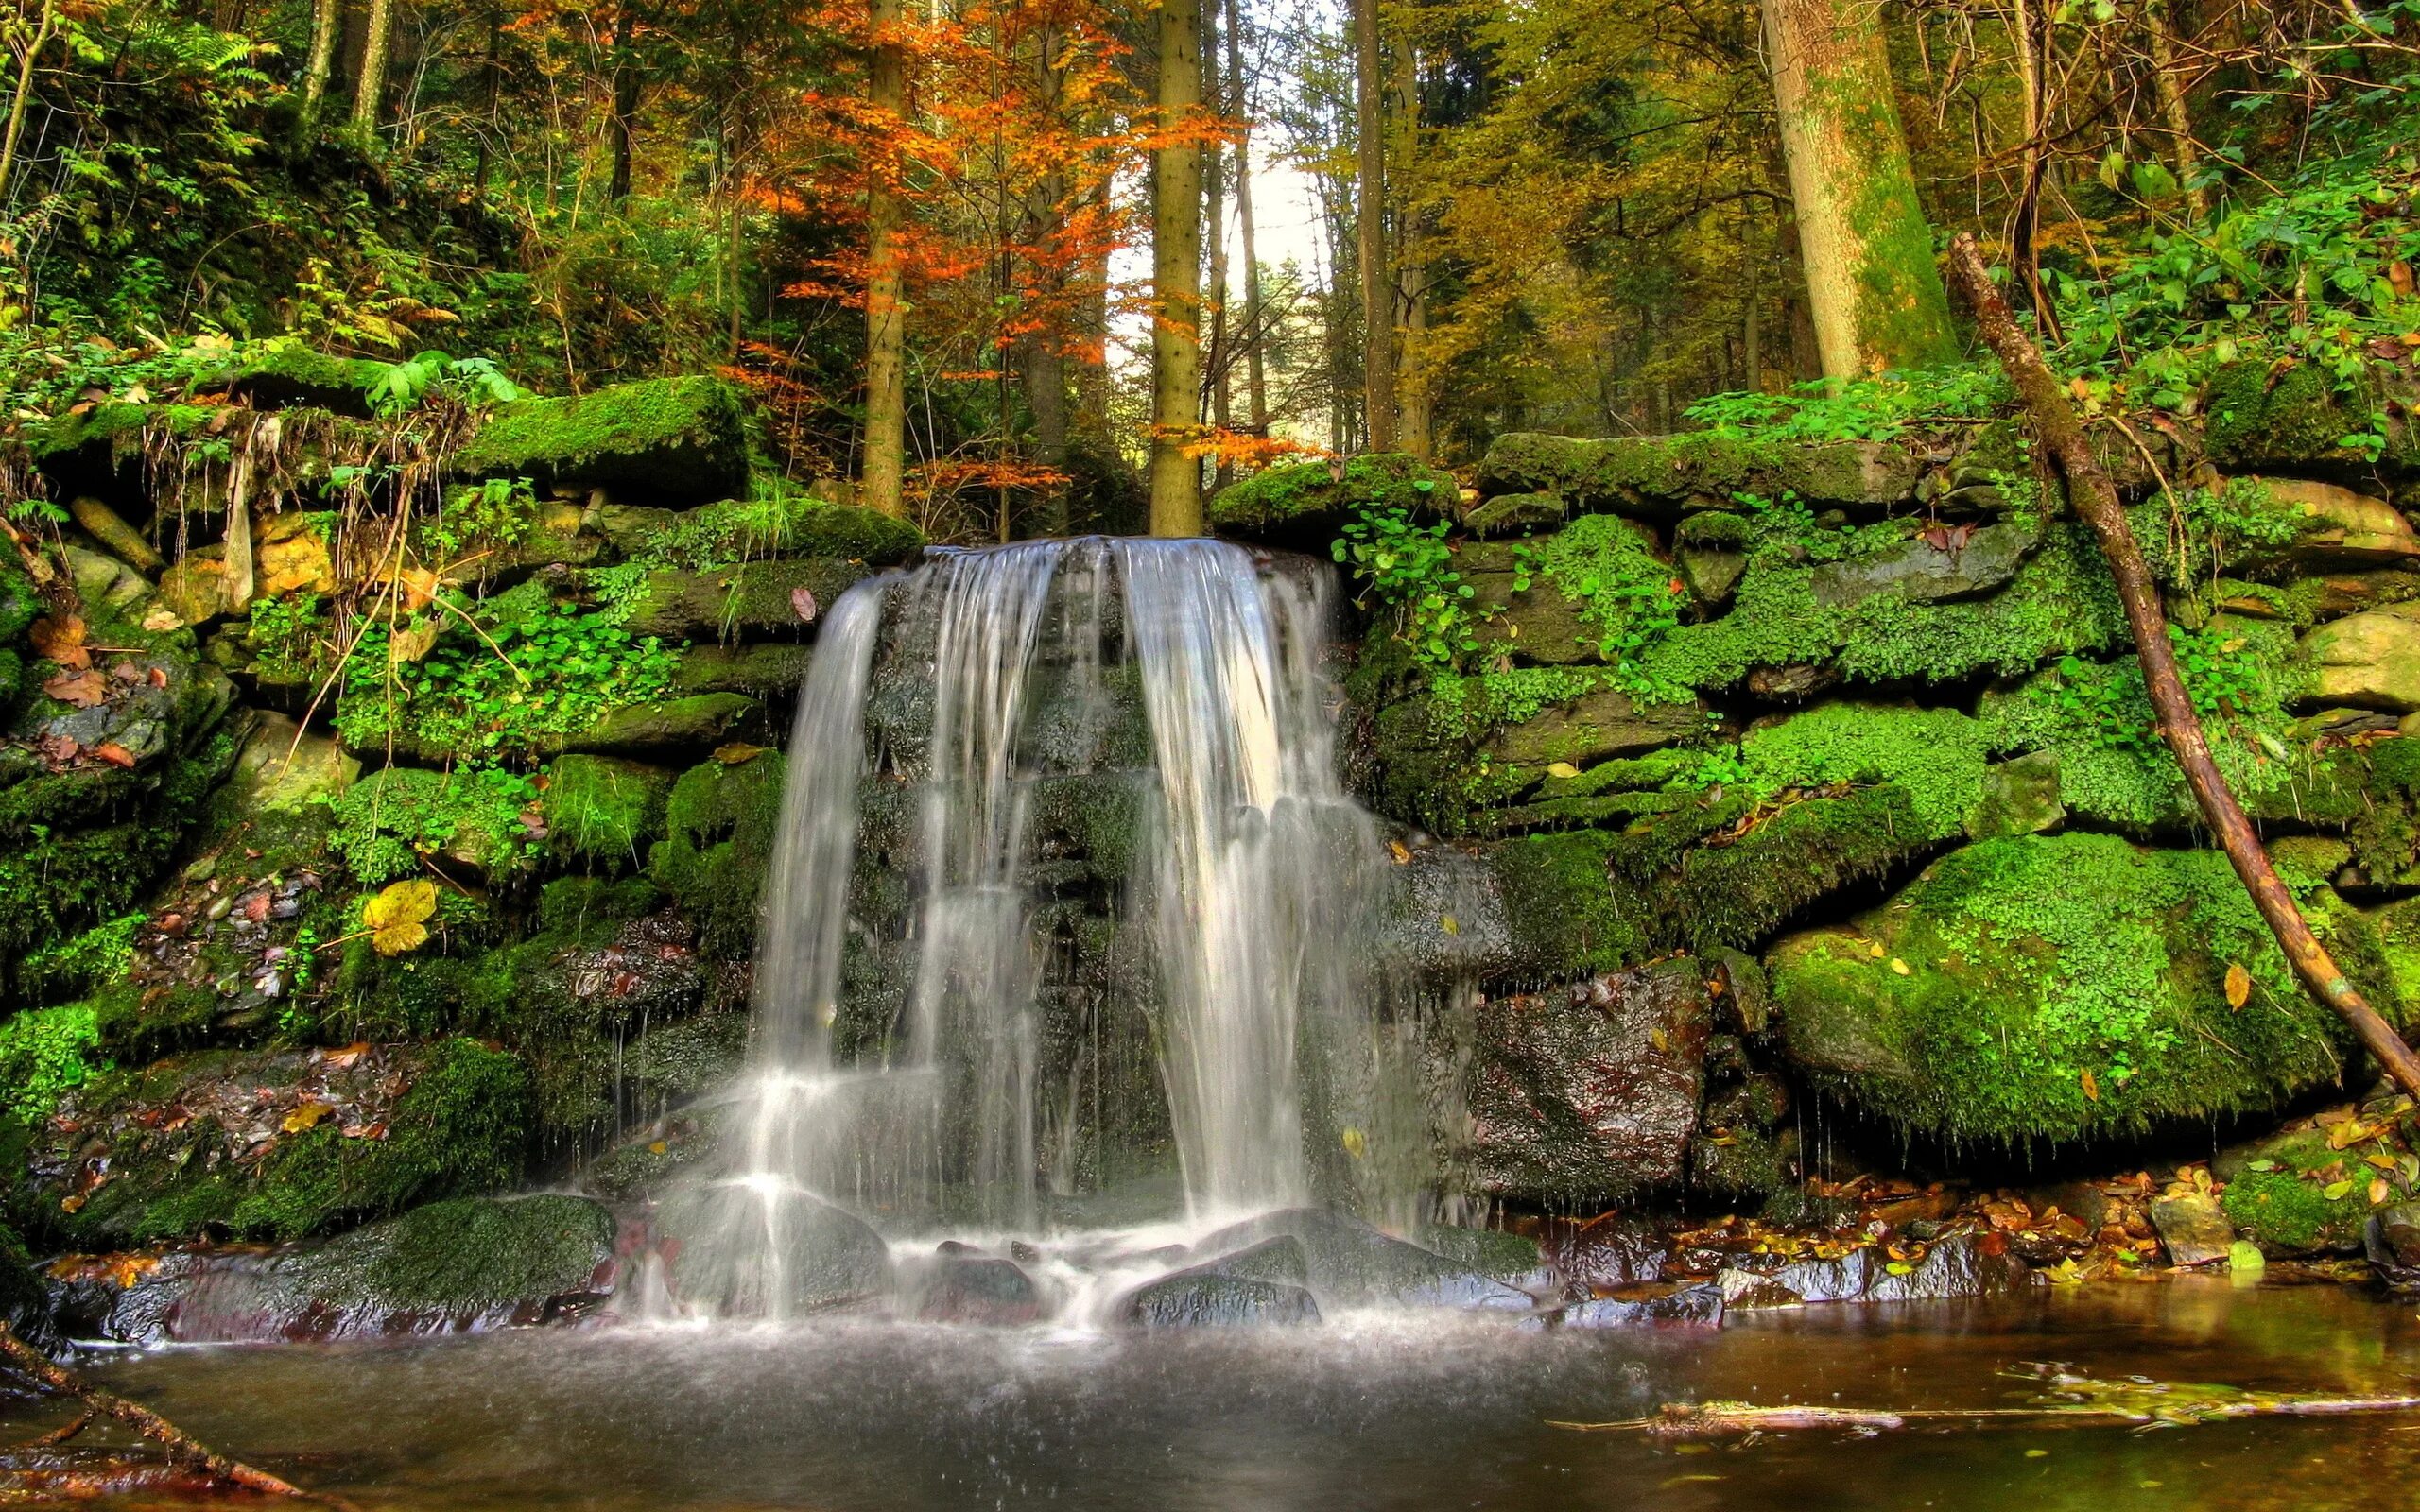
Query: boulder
pixel 1305 505
pixel 1934 567
pixel 673 441
pixel 287 769
pixel 2193 1228
pixel 672 726
pixel 1348 1261
pixel 1956 1267
pixel 964 1285
pixel 1698 1306
pixel 603 810
pixel 739 1253
pixel 2346 531
pixel 760 670
pixel 1587 1094
pixel 1613 1251
pixel 2020 797
pixel 1515 514
pixel 1593 727
pixel 1659 476
pixel 2371 659
pixel 2391 1239
pixel 1203 1298
pixel 754 600
pixel 2066 988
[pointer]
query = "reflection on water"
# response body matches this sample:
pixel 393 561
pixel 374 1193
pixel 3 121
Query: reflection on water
pixel 1372 1412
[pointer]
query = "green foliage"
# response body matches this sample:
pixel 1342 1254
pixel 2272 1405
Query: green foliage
pixel 82 963
pixel 389 824
pixel 1863 410
pixel 719 828
pixel 45 1054
pixel 502 682
pixel 1936 756
pixel 1630 601
pixel 494 513
pixel 1410 568
pixel 393 388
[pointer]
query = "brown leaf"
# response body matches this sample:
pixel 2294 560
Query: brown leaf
pixel 411 643
pixel 1400 852
pixel 115 754
pixel 420 585
pixel 2091 1085
pixel 737 753
pixel 2398 273
pixel 802 605
pixel 2239 986
pixel 61 641
pixel 82 689
pixel 342 1058
pixel 159 677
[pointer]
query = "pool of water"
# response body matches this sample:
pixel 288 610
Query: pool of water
pixel 1378 1412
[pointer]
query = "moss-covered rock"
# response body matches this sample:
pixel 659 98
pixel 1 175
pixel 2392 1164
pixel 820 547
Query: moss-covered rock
pixel 2258 418
pixel 471 1256
pixel 389 824
pixel 670 439
pixel 603 810
pixel 1659 476
pixel 2296 1193
pixel 722 824
pixel 275 1144
pixel 752 601
pixel 673 727
pixel 1304 506
pixel 2062 988
pixel 765 669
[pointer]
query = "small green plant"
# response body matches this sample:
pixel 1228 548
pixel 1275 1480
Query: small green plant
pixel 1409 567
pixel 493 514
pixel 44 1054
pixel 1866 410
pixel 2224 676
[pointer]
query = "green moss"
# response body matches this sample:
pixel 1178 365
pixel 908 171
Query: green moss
pixel 2286 1213
pixel 673 438
pixel 2256 418
pixel 1564 915
pixel 471 1253
pixel 2058 987
pixel 603 810
pixel 722 824
pixel 1667 474
pixel 1306 505
pixel 1936 756
pixel 391 823
pixel 45 1054
pixel 789 525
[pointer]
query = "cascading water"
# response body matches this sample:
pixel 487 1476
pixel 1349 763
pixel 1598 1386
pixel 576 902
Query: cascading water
pixel 972 1091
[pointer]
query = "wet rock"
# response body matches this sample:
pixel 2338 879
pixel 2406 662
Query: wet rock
pixel 2193 1227
pixel 697 723
pixel 1593 727
pixel 1957 1266
pixel 1350 1261
pixel 1510 514
pixel 765 669
pixel 1712 574
pixel 1794 682
pixel 1508 1258
pixel 1612 1252
pixel 1847 1278
pixel 1662 475
pixel 2371 659
pixel 287 769
pixel 961 1286
pixel 1203 1298
pixel 1306 504
pixel 722 1262
pixel 1280 1258
pixel 1934 567
pixel 756 600
pixel 1591 1093
pixel 1747 1290
pixel 2392 1241
pixel 2020 797
pixel 449 1268
pixel 2346 529
pixel 1700 1306
pixel 602 809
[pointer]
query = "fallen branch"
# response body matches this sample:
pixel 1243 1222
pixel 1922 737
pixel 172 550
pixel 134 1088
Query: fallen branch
pixel 182 1446
pixel 2078 1401
pixel 2095 499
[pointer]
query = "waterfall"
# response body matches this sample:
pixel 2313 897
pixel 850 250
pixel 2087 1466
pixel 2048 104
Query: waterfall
pixel 1251 892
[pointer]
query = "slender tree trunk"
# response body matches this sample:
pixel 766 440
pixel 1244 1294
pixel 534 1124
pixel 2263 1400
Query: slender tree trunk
pixel 1412 399
pixel 1092 371
pixel 2168 82
pixel 1752 325
pixel 1176 279
pixel 1369 223
pixel 1221 356
pixel 626 102
pixel 373 82
pixel 491 73
pixel 1873 287
pixel 2095 500
pixel 34 45
pixel 2032 162
pixel 883 472
pixel 1255 369
pixel 1044 351
pixel 327 24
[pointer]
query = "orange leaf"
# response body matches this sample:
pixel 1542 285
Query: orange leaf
pixel 115 754
pixel 61 641
pixel 2239 987
pixel 82 689
pixel 2091 1086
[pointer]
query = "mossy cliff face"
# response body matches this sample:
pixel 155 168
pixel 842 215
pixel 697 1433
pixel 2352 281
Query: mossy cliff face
pixel 403 843
pixel 1865 715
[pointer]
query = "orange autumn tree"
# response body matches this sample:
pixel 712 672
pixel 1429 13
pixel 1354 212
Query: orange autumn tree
pixel 976 183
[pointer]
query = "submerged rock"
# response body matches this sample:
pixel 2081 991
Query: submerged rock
pixel 2193 1227
pixel 960 1284
pixel 2392 1241
pixel 1700 1306
pixel 1201 1297
pixel 1956 1267
pixel 1350 1261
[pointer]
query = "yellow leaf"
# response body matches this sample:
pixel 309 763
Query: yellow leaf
pixel 1400 852
pixel 2384 1162
pixel 1879 952
pixel 737 752
pixel 2377 1191
pixel 1450 924
pixel 396 916
pixel 1562 769
pixel 2335 1190
pixel 2091 1085
pixel 1899 966
pixel 305 1116
pixel 2239 986
pixel 1356 1143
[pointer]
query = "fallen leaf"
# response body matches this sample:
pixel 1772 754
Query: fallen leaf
pixel 305 1116
pixel 159 677
pixel 1450 924
pixel 737 752
pixel 2239 986
pixel 162 620
pixel 1899 966
pixel 410 643
pixel 2091 1085
pixel 342 1058
pixel 2384 1162
pixel 1356 1143
pixel 2335 1190
pixel 61 641
pixel 115 754
pixel 419 586
pixel 2377 1191
pixel 2398 273
pixel 1400 852
pixel 1879 952
pixel 1562 769
pixel 802 605
pixel 395 917
pixel 82 689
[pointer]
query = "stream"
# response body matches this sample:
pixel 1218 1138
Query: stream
pixel 1370 1410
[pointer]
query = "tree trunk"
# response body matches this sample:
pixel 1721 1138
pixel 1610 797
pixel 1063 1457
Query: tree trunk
pixel 1752 325
pixel 372 81
pixel 2094 500
pixel 34 45
pixel 1369 227
pixel 1176 279
pixel 1046 350
pixel 2166 80
pixel 1221 355
pixel 1092 371
pixel 1873 287
pixel 1255 368
pixel 327 24
pixel 626 103
pixel 1411 273
pixel 883 472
